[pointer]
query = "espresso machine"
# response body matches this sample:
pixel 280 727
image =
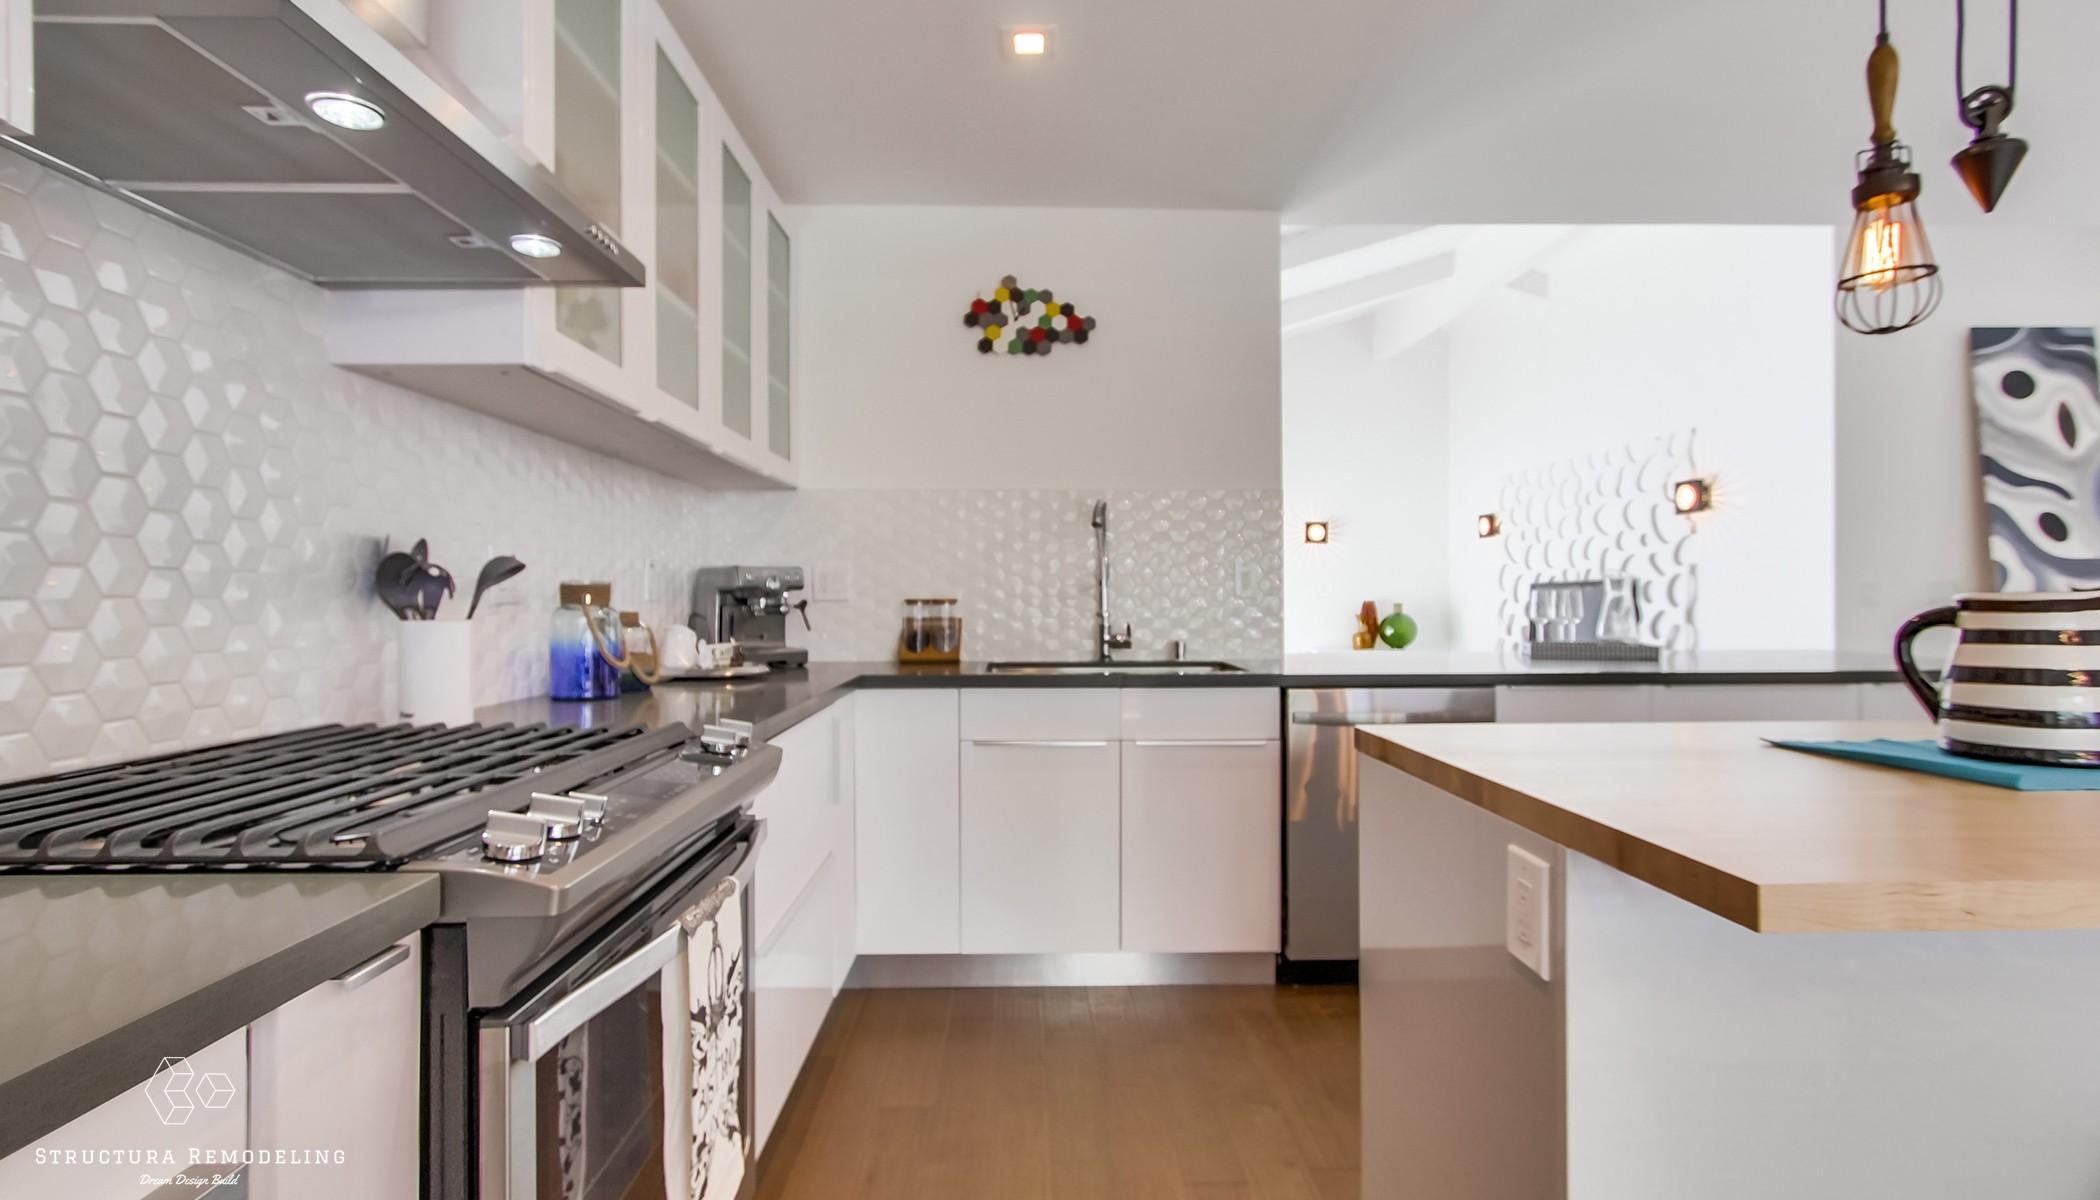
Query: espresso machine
pixel 749 606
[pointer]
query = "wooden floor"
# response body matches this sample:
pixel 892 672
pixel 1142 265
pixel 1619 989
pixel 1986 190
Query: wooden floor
pixel 1151 1093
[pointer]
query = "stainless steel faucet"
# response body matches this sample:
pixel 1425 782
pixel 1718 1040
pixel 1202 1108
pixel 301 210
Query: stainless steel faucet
pixel 1105 636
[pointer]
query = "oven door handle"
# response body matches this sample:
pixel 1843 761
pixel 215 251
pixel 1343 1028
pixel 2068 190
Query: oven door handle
pixel 567 1015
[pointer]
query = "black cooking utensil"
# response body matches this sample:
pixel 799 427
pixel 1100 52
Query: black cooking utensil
pixel 432 584
pixel 394 582
pixel 493 572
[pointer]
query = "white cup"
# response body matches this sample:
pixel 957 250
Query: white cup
pixel 680 650
pixel 437 672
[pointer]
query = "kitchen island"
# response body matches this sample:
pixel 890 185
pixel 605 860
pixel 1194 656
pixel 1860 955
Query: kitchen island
pixel 1764 973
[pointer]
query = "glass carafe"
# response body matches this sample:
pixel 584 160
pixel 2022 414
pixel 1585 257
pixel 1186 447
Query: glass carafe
pixel 1617 618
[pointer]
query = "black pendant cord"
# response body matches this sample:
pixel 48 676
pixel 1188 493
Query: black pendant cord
pixel 1961 38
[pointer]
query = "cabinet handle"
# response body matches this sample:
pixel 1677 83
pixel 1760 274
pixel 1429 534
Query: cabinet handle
pixel 1384 718
pixel 373 967
pixel 1249 742
pixel 1050 745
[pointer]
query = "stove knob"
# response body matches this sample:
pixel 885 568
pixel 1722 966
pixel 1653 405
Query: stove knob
pixel 563 817
pixel 593 806
pixel 514 837
pixel 723 742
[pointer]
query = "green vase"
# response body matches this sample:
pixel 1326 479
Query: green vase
pixel 1397 630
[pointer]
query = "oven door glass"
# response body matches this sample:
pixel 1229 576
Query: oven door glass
pixel 573 1078
pixel 600 1097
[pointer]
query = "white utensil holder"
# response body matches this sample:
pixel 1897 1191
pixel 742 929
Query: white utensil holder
pixel 436 661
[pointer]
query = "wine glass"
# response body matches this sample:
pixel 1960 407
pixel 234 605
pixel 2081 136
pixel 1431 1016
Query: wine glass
pixel 1567 612
pixel 1540 611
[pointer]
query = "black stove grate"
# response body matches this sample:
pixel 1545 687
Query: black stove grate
pixel 364 796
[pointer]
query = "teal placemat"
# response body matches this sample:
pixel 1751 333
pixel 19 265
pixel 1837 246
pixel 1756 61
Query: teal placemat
pixel 1929 758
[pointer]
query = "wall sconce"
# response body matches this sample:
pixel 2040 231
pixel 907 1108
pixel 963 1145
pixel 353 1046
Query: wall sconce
pixel 1316 533
pixel 1690 496
pixel 1489 525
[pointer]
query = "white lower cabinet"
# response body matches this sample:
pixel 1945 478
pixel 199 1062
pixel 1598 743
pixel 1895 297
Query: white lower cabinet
pixel 340 1068
pixel 1537 703
pixel 803 911
pixel 846 911
pixel 1889 702
pixel 800 809
pixel 908 821
pixel 130 1121
pixel 1040 846
pixel 794 984
pixel 1758 702
pixel 1559 703
pixel 1202 847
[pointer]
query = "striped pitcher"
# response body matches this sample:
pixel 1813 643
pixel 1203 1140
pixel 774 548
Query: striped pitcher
pixel 2023 683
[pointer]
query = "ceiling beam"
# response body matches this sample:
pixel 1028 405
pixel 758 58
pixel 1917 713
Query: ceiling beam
pixel 1347 301
pixel 1487 263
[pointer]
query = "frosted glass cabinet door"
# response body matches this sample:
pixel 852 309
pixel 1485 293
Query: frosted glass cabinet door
pixel 587 124
pixel 736 295
pixel 779 285
pixel 677 236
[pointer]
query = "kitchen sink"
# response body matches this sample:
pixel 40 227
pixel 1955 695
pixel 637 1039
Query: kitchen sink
pixel 1117 667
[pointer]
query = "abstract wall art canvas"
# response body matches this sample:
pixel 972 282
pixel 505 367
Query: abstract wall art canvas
pixel 2038 427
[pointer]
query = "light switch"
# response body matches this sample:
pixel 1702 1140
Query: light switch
pixel 1526 911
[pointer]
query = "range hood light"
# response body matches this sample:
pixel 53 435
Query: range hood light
pixel 535 245
pixel 346 112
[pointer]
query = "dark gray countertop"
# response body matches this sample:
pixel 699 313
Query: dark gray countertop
pixel 773 703
pixel 105 975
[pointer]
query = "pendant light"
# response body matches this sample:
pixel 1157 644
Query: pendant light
pixel 1987 163
pixel 1888 280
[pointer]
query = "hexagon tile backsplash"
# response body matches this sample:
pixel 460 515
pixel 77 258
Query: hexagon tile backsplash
pixel 191 498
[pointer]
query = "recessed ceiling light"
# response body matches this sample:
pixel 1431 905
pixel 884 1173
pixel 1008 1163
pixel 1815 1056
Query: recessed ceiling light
pixel 346 112
pixel 1488 525
pixel 535 245
pixel 1316 533
pixel 1028 41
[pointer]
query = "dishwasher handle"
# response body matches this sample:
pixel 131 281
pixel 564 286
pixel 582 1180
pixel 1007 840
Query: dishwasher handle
pixel 1384 718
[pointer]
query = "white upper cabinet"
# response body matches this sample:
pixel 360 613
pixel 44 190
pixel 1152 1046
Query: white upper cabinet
pixel 677 265
pixel 690 374
pixel 17 69
pixel 780 340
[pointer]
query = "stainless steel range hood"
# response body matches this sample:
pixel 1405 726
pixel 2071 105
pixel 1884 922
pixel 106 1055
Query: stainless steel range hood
pixel 198 110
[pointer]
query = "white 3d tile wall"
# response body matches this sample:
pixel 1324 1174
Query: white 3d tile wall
pixel 191 497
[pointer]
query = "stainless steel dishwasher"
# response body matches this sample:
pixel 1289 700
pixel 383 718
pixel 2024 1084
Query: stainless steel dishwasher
pixel 1319 818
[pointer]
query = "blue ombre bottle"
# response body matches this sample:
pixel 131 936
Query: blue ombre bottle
pixel 575 669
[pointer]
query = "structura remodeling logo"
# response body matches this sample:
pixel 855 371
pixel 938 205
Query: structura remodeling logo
pixel 177 1090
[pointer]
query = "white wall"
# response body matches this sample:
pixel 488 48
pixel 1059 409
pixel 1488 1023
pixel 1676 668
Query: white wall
pixel 1648 330
pixel 1632 333
pixel 1177 389
pixel 1364 448
pixel 1910 509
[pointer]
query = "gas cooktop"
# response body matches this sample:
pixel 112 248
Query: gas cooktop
pixel 357 797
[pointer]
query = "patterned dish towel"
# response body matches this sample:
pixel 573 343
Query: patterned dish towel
pixel 703 1014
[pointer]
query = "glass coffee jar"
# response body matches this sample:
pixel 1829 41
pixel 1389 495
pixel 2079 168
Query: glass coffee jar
pixel 932 633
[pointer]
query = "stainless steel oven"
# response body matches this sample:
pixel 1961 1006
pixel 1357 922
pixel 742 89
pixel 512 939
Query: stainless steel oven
pixel 572 1073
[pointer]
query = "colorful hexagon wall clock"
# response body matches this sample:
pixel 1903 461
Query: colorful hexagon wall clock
pixel 1018 320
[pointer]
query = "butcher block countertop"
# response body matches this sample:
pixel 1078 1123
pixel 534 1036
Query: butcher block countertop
pixel 1776 840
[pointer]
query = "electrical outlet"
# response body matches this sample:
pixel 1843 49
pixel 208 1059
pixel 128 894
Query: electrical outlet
pixel 1526 912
